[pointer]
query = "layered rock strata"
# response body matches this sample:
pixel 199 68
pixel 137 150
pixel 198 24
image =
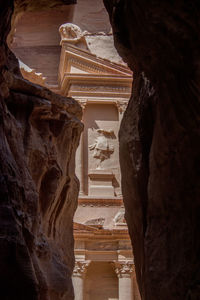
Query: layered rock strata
pixel 159 143
pixel 39 134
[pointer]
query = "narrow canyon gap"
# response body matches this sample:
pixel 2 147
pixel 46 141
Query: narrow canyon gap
pixel 160 142
pixel 159 153
pixel 76 56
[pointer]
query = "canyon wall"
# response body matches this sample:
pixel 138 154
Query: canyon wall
pixel 39 134
pixel 159 142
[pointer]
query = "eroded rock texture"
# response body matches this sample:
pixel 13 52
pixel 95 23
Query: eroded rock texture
pixel 160 142
pixel 39 134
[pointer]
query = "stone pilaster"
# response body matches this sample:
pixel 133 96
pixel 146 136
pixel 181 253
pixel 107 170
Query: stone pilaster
pixel 80 155
pixel 78 278
pixel 124 271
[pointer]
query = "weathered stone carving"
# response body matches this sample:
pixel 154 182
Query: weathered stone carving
pixel 99 222
pixel 31 74
pixel 121 105
pixel 119 219
pixel 71 33
pixel 80 268
pixel 123 269
pixel 102 146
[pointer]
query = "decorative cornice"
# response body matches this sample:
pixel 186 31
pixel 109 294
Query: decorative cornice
pixel 99 234
pixel 80 268
pixel 96 86
pixel 91 201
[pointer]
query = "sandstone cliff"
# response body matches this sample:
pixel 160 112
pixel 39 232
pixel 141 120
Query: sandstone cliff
pixel 39 134
pixel 160 142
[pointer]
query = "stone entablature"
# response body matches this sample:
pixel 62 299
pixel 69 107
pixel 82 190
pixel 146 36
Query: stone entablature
pixel 92 85
pixel 100 201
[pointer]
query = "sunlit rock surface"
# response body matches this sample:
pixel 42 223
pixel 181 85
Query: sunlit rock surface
pixel 159 143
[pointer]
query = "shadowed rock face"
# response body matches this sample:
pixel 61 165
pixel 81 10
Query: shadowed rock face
pixel 159 142
pixel 39 134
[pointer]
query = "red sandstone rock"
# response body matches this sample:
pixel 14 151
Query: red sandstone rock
pixel 39 134
pixel 159 143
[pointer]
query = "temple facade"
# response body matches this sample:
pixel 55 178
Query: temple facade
pixel 104 267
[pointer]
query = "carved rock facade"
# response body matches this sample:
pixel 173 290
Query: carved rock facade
pixel 159 143
pixel 38 188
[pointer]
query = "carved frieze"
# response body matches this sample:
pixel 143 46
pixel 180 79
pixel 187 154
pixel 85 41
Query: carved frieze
pixel 91 68
pixel 31 74
pixel 102 88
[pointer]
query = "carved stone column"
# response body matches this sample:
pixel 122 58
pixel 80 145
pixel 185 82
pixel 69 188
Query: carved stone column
pixel 78 279
pixel 79 156
pixel 124 271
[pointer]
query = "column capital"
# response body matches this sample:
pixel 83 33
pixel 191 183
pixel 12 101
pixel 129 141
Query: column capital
pixel 80 268
pixel 121 105
pixel 83 103
pixel 123 269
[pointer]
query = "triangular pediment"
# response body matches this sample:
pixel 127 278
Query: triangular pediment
pixel 79 61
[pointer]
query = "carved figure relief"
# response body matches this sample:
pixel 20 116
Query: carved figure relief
pixel 102 146
pixel 71 33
